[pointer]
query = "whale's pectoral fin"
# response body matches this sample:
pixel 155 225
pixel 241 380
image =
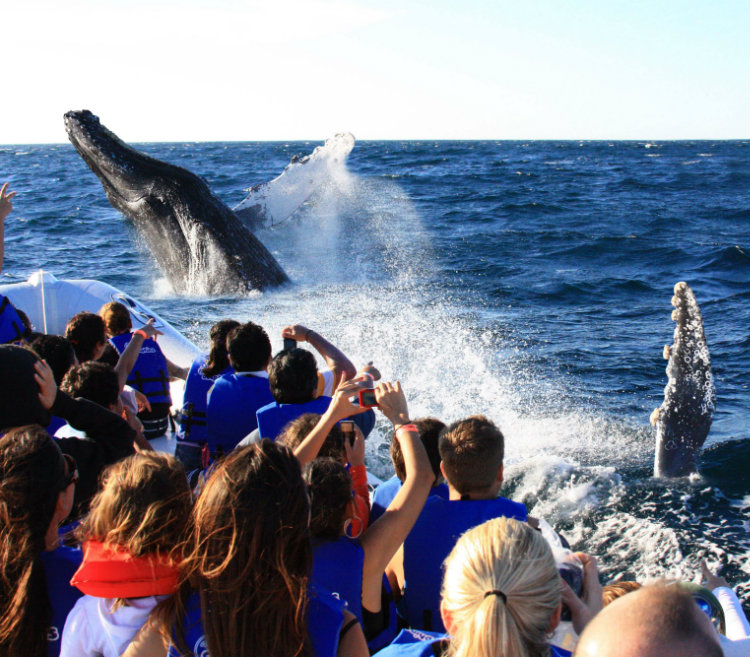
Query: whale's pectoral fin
pixel 683 420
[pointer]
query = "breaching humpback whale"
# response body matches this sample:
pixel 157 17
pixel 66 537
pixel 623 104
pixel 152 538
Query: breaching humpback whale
pixel 683 420
pixel 199 243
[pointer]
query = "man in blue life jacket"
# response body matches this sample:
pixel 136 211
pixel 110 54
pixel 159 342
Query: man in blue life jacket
pixel 471 453
pixel 235 397
pixel 295 384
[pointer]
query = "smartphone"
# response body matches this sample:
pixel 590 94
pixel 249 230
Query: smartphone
pixel 289 343
pixel 347 429
pixel 367 398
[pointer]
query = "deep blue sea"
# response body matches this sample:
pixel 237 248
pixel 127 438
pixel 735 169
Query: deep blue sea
pixel 528 281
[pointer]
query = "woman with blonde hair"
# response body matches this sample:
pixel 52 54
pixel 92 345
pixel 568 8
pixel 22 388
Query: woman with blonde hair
pixel 501 597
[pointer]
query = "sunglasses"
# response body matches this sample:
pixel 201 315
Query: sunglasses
pixel 707 609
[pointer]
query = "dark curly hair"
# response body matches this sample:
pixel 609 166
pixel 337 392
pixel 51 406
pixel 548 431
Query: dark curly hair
pixel 94 381
pixel 85 331
pixel 330 489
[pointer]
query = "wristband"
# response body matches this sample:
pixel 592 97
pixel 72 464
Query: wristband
pixel 307 335
pixel 142 333
pixel 412 428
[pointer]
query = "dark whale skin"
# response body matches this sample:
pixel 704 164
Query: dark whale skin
pixel 201 246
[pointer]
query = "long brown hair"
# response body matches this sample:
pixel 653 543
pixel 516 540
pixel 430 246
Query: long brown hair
pixel 249 556
pixel 143 505
pixel 32 473
pixel 218 359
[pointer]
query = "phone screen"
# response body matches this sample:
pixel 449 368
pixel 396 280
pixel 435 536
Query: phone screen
pixel 289 343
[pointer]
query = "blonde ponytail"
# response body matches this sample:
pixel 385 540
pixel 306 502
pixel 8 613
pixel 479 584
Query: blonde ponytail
pixel 501 589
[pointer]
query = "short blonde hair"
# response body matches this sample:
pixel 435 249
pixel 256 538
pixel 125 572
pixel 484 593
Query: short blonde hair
pixel 501 588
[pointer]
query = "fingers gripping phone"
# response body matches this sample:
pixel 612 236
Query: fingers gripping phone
pixel 367 398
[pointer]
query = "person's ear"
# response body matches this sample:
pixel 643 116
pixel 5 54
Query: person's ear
pixel 447 618
pixel 442 471
pixel 554 621
pixel 500 474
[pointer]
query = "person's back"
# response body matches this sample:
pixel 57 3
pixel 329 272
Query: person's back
pixel 96 382
pixel 293 380
pixel 234 398
pixel 150 373
pixel 192 429
pixel 472 462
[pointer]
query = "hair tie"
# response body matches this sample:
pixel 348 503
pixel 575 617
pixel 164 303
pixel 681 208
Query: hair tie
pixel 498 593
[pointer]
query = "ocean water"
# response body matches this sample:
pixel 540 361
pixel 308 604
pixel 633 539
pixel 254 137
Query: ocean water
pixel 528 281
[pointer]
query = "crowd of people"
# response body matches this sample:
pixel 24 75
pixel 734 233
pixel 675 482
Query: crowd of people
pixel 259 536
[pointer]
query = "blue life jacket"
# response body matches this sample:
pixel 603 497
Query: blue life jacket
pixel 59 566
pixel 11 324
pixel 325 616
pixel 430 541
pixel 149 374
pixel 192 418
pixel 418 643
pixel 337 567
pixel 232 403
pixel 386 491
pixel 274 417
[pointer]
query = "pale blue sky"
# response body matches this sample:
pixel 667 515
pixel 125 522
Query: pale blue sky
pixel 409 69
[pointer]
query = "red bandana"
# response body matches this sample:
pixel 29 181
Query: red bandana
pixel 111 572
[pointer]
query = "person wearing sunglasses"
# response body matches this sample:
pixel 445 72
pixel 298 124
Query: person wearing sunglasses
pixel 37 484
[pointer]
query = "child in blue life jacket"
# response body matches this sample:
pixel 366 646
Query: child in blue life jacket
pixel 131 541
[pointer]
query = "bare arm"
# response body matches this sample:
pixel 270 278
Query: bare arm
pixel 129 356
pixel 382 539
pixel 5 207
pixel 339 408
pixel 337 362
pixel 353 642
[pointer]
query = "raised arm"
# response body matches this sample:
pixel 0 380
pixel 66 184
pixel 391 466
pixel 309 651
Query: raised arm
pixel 384 537
pixel 337 362
pixel 129 356
pixel 5 207
pixel 339 408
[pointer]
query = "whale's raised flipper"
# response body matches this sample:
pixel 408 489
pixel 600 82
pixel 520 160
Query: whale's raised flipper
pixel 683 420
pixel 199 243
pixel 272 202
